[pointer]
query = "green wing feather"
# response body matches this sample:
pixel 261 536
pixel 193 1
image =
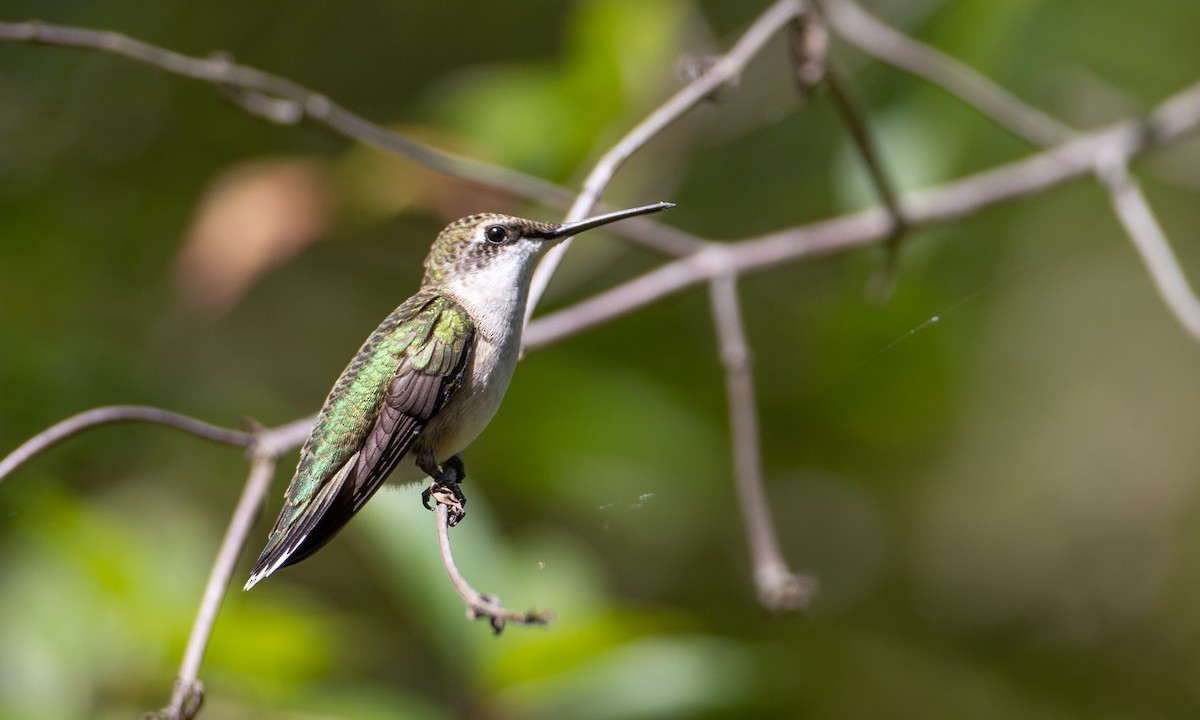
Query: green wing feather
pixel 403 374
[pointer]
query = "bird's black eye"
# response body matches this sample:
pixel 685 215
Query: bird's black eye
pixel 496 234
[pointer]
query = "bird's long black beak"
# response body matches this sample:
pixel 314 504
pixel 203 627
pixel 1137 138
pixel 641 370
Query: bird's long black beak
pixel 574 228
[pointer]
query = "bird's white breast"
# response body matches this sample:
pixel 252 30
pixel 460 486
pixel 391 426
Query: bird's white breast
pixel 495 298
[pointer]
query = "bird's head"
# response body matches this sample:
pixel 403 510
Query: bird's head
pixel 505 246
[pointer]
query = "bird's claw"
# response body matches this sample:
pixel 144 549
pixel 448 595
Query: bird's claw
pixel 444 489
pixel 446 493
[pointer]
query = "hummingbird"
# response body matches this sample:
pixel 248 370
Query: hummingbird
pixel 424 384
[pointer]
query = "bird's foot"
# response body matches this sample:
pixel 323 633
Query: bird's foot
pixel 444 490
pixel 450 495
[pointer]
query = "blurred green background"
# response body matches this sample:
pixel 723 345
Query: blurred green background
pixel 1001 506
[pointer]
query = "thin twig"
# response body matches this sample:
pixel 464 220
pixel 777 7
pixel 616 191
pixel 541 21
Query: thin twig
pixel 868 151
pixel 280 100
pixel 812 66
pixel 188 694
pixel 1178 115
pixel 864 140
pixel 117 414
pixel 478 604
pixel 723 70
pixel 1140 224
pixel 779 589
pixel 873 37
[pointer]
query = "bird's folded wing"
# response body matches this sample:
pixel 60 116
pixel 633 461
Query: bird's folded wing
pixel 339 470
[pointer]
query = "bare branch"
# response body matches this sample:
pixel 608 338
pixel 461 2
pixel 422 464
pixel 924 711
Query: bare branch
pixel 188 694
pixel 627 297
pixel 1073 159
pixel 1151 242
pixel 478 604
pixel 279 100
pixel 95 417
pixel 873 37
pixel 779 590
pixel 724 69
pixel 221 71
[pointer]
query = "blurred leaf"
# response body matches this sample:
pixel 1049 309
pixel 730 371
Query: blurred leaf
pixel 254 217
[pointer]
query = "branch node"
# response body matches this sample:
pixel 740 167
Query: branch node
pixel 222 63
pixel 186 702
pixel 1111 167
pixel 30 31
pixel 317 105
pixel 281 111
pixel 781 592
pixel 260 446
pixel 691 68
pixel 808 41
pixel 714 261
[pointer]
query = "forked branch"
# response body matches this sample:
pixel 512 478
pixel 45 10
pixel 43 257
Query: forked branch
pixel 1077 158
pixel 722 70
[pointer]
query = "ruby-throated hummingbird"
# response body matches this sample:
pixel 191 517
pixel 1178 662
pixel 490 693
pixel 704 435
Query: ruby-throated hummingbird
pixel 424 384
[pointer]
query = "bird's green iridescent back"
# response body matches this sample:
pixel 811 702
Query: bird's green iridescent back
pixel 429 330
